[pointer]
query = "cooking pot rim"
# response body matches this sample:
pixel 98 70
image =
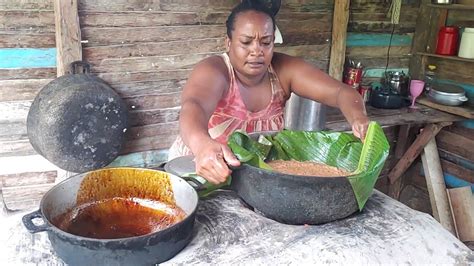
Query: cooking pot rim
pixel 253 168
pixel 53 227
pixel 459 92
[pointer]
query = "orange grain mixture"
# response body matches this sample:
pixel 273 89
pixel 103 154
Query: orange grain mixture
pixel 306 168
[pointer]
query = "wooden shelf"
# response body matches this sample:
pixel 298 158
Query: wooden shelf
pixel 464 111
pixel 457 58
pixel 452 6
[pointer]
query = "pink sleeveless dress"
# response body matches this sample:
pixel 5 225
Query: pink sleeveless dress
pixel 231 113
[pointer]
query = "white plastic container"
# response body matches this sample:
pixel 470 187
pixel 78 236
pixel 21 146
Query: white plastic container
pixel 466 48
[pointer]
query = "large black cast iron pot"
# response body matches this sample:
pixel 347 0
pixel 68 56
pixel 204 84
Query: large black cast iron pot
pixel 294 199
pixel 289 199
pixel 77 121
pixel 147 249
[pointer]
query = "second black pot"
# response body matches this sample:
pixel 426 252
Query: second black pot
pixel 289 199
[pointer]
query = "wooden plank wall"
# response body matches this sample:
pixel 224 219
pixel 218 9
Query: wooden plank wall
pixel 145 49
pixel 27 63
pixel 369 36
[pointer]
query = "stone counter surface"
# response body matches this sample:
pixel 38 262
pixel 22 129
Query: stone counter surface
pixel 228 233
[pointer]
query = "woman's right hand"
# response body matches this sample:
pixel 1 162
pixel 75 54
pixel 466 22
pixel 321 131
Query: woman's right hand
pixel 212 159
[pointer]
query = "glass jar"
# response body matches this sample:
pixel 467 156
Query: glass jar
pixel 430 77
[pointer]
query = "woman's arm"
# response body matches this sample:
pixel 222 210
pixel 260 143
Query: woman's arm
pixel 308 81
pixel 205 87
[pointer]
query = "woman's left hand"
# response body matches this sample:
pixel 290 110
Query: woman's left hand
pixel 359 127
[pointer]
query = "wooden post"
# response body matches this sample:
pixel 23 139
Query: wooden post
pixel 436 186
pixel 419 41
pixel 68 34
pixel 338 41
pixel 68 38
pixel 415 149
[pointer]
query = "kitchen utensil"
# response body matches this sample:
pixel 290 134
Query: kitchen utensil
pixel 397 81
pixel 383 97
pixel 148 249
pixel 416 88
pixel 353 76
pixel 287 198
pixel 77 121
pixel 447 94
pixel 304 114
pixel 466 48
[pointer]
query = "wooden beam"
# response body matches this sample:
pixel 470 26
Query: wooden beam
pixel 68 34
pixel 338 42
pixel 402 140
pixel 457 144
pixel 395 189
pixel 436 186
pixel 457 171
pixel 415 149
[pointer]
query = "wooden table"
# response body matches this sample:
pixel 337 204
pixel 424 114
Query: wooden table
pixel 228 233
pixel 432 121
pixel 335 121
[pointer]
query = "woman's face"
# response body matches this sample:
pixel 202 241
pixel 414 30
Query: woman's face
pixel 251 46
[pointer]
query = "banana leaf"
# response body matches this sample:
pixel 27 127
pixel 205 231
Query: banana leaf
pixel 342 150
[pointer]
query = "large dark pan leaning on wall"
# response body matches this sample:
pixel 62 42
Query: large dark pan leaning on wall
pixel 77 121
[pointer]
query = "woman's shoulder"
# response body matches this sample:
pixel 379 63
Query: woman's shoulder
pixel 213 62
pixel 212 65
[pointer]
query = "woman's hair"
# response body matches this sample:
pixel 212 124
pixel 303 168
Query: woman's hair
pixel 247 5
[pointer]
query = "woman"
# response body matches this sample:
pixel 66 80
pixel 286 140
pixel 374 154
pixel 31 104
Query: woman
pixel 246 88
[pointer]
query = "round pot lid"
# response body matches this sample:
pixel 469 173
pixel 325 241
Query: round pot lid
pixel 449 89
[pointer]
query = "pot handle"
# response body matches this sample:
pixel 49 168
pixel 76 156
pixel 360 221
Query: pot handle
pixel 192 180
pixel 206 188
pixel 463 98
pixel 86 67
pixel 30 226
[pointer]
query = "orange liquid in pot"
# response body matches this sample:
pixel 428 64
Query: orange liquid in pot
pixel 119 218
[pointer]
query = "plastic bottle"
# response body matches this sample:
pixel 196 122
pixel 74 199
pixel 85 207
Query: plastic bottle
pixel 430 77
pixel 447 43
pixel 466 48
